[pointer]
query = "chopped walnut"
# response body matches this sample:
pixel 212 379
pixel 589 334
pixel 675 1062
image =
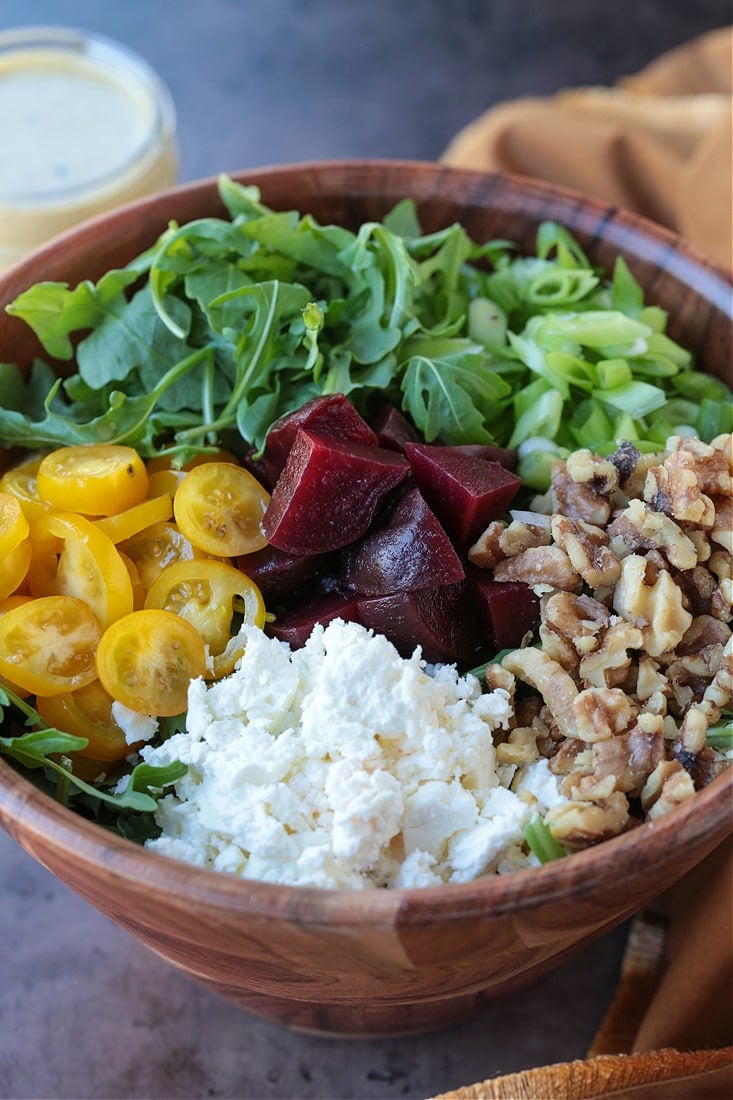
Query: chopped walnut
pixel 721 601
pixel 587 548
pixel 570 626
pixel 505 540
pixel 588 788
pixel 668 786
pixel 540 565
pixel 674 488
pixel 653 605
pixel 575 499
pixel 638 527
pixel 722 529
pixel 601 475
pixel 712 464
pixel 550 679
pixel 705 630
pixel 631 757
pixel 609 664
pixel 572 755
pixel 519 748
pixel 486 552
pixel 497 677
pixel 600 713
pixel 577 825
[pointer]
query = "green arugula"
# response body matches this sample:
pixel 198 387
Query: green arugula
pixel 48 750
pixel 226 324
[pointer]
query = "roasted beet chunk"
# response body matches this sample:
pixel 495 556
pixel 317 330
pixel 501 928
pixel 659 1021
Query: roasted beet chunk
pixel 330 415
pixel 441 620
pixel 503 455
pixel 466 493
pixel 509 608
pixel 277 574
pixel 295 626
pixel 393 429
pixel 328 493
pixel 411 552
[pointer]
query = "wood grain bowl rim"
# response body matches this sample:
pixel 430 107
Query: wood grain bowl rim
pixel 39 823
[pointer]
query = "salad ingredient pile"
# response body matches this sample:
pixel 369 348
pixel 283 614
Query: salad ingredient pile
pixel 265 525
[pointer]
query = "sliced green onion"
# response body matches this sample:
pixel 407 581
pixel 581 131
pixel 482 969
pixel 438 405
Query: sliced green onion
pixel 542 418
pixel 612 373
pixel 721 736
pixel 714 418
pixel 541 841
pixel 655 317
pixel 589 424
pixel 487 322
pixel 635 398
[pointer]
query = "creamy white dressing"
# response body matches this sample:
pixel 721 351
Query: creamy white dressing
pixel 85 126
pixel 65 124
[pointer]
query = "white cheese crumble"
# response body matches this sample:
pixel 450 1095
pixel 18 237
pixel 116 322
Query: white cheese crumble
pixel 340 764
pixel 135 726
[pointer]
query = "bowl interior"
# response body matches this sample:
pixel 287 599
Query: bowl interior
pixel 575 898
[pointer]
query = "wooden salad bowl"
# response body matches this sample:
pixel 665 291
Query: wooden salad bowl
pixel 381 961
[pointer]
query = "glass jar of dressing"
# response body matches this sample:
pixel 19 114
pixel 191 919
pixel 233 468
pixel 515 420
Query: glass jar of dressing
pixel 85 125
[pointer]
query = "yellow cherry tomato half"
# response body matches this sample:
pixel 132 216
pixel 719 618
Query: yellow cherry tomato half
pixel 125 525
pixel 219 506
pixel 164 481
pixel 21 481
pixel 138 592
pixel 98 479
pixel 147 660
pixel 208 594
pixel 13 524
pixel 156 548
pixel 47 646
pixel 87 712
pixel 72 557
pixel 14 568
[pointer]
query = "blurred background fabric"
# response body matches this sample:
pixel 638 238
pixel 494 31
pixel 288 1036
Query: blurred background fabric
pixel 657 142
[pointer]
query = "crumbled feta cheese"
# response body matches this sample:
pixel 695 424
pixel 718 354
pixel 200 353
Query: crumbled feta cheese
pixel 537 779
pixel 340 764
pixel 135 726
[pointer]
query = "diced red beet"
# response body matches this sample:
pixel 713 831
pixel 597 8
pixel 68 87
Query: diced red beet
pixel 503 455
pixel 296 626
pixel 332 414
pixel 328 493
pixel 412 551
pixel 441 620
pixel 509 608
pixel 277 574
pixel 393 429
pixel 466 493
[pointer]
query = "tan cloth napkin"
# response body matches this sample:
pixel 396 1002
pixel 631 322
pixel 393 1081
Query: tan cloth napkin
pixel 658 143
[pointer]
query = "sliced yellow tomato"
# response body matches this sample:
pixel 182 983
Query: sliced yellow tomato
pixel 219 506
pixel 138 592
pixel 48 646
pixel 207 594
pixel 87 712
pixel 98 479
pixel 14 568
pixel 164 481
pixel 157 547
pixel 21 481
pixel 72 557
pixel 7 605
pixel 13 524
pixel 147 660
pixel 124 525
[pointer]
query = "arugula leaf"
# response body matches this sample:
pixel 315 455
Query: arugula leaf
pixel 39 748
pixel 227 323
